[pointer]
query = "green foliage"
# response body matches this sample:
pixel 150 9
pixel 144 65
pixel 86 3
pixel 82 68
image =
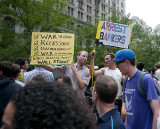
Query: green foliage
pixel 85 38
pixel 145 44
pixel 50 16
pixel 32 15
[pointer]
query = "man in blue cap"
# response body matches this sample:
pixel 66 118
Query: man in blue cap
pixel 142 113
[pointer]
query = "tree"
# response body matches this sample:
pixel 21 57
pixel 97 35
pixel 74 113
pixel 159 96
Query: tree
pixel 86 36
pixel 145 45
pixel 51 16
pixel 30 16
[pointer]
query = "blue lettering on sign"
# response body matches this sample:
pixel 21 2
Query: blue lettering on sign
pixel 112 37
pixel 120 28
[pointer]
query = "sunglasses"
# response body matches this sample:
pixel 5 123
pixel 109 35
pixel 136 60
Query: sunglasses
pixel 118 62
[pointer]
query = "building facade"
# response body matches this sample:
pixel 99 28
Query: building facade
pixel 83 10
pixel 90 10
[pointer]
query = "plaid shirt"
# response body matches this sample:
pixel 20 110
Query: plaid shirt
pixel 38 71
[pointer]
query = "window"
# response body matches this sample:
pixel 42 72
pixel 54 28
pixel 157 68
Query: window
pixel 118 8
pixel 96 22
pixel 80 15
pixel 103 7
pixel 118 2
pixel 113 5
pixel 89 9
pixel 109 2
pixel 122 4
pixel 90 1
pixel 96 12
pixel 70 11
pixel 97 3
pixel 80 4
pixel 109 11
pixel 103 16
pixel 122 11
pixel 89 19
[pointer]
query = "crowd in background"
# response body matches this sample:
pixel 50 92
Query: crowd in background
pixel 67 97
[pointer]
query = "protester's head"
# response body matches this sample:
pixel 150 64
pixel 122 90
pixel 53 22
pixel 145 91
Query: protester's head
pixel 124 60
pixel 101 65
pixel 38 78
pixel 140 66
pixel 158 65
pixel 16 71
pixel 82 57
pixel 65 79
pixel 22 62
pixel 109 59
pixel 46 105
pixel 150 71
pixel 153 71
pixel 6 68
pixel 105 89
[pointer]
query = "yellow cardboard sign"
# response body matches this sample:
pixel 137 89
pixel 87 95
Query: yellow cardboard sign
pixel 52 48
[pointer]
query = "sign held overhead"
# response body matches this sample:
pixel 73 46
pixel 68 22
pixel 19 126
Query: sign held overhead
pixel 113 34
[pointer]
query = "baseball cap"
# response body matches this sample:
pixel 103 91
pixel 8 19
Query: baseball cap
pixel 125 54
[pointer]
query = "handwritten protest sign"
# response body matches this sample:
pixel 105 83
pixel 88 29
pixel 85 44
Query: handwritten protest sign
pixel 52 48
pixel 113 34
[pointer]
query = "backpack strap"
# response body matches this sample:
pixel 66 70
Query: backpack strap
pixel 139 84
pixel 124 84
pixel 125 81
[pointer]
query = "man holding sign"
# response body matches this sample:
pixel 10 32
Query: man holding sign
pixel 78 73
pixel 110 70
pixel 58 49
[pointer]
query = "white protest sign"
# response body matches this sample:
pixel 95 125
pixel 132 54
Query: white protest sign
pixel 113 34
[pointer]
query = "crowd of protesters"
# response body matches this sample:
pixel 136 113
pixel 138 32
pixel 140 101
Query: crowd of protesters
pixel 63 97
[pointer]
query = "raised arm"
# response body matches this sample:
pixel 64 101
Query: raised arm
pixel 47 67
pixel 98 72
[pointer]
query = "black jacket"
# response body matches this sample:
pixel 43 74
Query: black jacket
pixel 111 120
pixel 7 88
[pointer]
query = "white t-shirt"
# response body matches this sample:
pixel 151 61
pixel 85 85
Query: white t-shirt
pixel 116 74
pixel 157 74
pixel 20 83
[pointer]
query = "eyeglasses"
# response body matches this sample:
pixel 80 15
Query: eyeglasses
pixel 118 62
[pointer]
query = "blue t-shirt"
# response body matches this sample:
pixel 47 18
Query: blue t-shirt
pixel 139 113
